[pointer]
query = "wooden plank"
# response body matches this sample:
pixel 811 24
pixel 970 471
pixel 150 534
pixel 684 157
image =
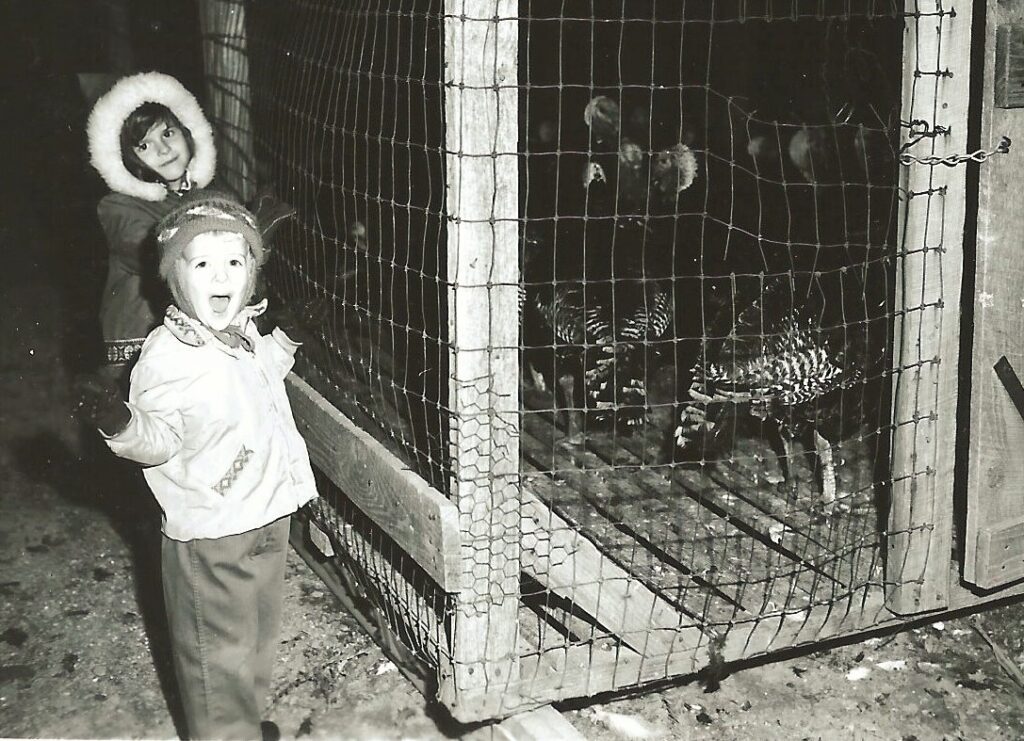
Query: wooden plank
pixel 864 612
pixel 482 201
pixel 569 564
pixel 837 551
pixel 542 724
pixel 417 517
pixel 584 673
pixel 995 481
pixel 999 554
pixel 737 498
pixel 927 323
pixel 226 62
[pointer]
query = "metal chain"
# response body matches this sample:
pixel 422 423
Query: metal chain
pixel 921 130
pixel 953 160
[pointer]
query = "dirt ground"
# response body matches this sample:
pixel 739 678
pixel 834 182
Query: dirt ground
pixel 82 646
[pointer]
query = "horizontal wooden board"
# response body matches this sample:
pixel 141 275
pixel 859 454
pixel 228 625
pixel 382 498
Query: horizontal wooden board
pixel 1000 554
pixel 415 515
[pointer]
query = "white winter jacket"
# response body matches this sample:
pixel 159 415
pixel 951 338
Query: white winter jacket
pixel 213 427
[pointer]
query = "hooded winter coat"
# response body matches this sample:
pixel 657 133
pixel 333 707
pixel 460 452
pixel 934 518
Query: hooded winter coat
pixel 133 297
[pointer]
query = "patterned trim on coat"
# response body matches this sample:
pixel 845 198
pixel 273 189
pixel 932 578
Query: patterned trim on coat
pixel 239 464
pixel 122 352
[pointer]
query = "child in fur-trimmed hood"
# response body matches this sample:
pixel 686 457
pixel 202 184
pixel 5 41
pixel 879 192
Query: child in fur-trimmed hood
pixel 151 143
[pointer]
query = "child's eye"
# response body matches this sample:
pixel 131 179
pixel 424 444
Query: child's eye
pixel 140 147
pixel 201 264
pixel 236 263
pixel 169 132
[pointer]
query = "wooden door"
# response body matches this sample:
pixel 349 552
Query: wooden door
pixel 994 536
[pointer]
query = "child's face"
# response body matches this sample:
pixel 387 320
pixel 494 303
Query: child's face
pixel 164 149
pixel 213 276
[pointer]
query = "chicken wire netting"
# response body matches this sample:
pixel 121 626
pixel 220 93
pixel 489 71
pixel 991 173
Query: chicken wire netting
pixel 708 238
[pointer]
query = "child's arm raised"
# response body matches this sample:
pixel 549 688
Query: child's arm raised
pixel 282 350
pixel 155 431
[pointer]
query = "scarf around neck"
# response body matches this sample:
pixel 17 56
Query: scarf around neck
pixel 192 332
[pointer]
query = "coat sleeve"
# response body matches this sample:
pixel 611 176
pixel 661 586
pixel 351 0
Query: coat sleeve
pixel 127 230
pixel 282 350
pixel 156 430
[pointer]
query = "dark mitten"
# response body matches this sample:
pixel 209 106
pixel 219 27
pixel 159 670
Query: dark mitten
pixel 302 318
pixel 100 404
pixel 270 212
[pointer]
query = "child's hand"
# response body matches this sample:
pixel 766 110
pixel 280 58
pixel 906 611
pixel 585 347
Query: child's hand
pixel 99 403
pixel 270 213
pixel 298 319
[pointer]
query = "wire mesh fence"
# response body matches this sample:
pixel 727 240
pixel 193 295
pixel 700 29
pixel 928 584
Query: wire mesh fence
pixel 349 129
pixel 646 292
pixel 710 232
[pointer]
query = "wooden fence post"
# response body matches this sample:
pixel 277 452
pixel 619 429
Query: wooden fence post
pixel 226 63
pixel 481 141
pixel 929 266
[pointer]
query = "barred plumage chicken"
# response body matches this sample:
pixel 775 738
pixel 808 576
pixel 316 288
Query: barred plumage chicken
pixel 589 316
pixel 787 365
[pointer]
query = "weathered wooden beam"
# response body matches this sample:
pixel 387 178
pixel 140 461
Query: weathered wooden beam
pixel 929 267
pixel 417 517
pixel 228 98
pixel 482 169
pixel 541 724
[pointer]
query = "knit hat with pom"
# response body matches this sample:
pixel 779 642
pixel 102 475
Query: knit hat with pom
pixel 205 212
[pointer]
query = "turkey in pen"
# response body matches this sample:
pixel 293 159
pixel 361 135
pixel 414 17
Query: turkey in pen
pixel 795 361
pixel 592 320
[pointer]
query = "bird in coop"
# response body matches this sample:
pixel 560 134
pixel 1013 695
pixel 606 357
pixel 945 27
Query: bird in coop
pixel 782 362
pixel 623 176
pixel 841 152
pixel 592 322
pixel 601 115
pixel 673 170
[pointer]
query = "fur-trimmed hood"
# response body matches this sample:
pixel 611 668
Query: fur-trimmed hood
pixel 113 109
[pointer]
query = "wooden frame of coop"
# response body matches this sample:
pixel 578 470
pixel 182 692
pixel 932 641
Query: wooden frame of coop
pixel 454 566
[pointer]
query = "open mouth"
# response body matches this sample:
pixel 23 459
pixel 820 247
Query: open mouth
pixel 220 303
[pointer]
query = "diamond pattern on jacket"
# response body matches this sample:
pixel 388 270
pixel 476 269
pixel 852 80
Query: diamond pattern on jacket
pixel 241 460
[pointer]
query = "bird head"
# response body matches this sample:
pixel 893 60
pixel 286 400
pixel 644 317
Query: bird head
pixel 602 116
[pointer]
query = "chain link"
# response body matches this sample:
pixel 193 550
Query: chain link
pixel 921 130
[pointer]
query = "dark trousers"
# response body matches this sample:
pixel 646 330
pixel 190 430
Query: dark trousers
pixel 223 599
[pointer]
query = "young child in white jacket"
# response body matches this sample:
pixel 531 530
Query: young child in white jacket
pixel 208 417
